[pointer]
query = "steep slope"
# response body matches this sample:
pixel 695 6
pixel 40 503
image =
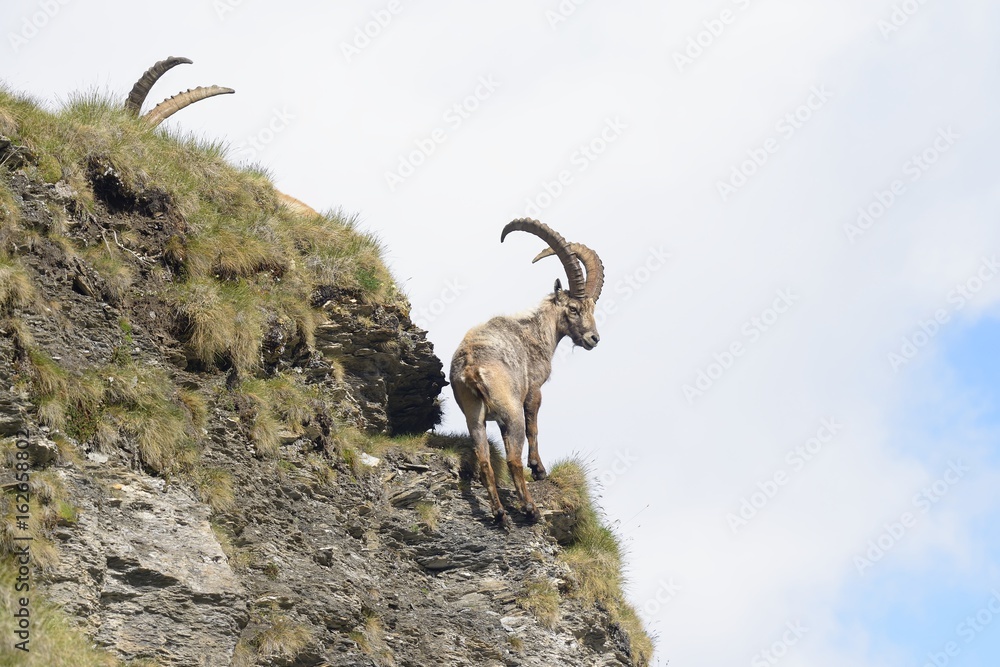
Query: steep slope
pixel 209 395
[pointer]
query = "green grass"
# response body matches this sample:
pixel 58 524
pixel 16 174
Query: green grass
pixel 109 262
pixel 429 513
pixel 243 259
pixel 595 556
pixel 104 403
pixel 274 404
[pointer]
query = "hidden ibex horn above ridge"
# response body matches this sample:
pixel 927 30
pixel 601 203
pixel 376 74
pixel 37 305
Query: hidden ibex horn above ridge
pixel 171 105
pixel 499 368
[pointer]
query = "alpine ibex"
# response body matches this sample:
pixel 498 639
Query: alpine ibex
pixel 499 368
pixel 172 105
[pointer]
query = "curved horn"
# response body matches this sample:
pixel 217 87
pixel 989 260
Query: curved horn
pixel 591 262
pixel 169 107
pixel 559 246
pixel 141 88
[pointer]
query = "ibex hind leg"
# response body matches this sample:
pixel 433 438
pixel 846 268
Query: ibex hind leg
pixel 512 429
pixel 475 417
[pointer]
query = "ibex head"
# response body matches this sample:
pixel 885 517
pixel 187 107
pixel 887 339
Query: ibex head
pixel 172 105
pixel 576 305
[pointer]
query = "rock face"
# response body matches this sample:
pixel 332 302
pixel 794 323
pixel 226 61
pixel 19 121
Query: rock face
pixel 144 571
pixel 351 562
pixel 390 365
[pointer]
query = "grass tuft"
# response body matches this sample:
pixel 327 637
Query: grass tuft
pixel 540 598
pixel 282 638
pixel 215 488
pixel 16 288
pixel 370 638
pixel 429 513
pixel 595 556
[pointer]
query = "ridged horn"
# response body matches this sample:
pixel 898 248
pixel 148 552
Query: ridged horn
pixel 591 262
pixel 141 88
pixel 559 246
pixel 169 107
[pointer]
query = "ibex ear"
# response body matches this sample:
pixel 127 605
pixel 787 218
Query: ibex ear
pixel 558 287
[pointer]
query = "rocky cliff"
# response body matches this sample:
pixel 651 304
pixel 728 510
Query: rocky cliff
pixel 215 414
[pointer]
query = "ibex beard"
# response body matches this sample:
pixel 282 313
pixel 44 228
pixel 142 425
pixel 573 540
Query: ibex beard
pixel 500 366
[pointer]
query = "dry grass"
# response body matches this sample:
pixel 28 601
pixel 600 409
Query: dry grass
pixel 279 403
pixel 429 513
pixel 595 556
pixel 541 599
pixel 10 217
pixel 54 640
pixel 221 322
pixel 281 638
pixel 214 487
pixel 16 289
pixel 239 559
pixel 462 446
pixel 370 638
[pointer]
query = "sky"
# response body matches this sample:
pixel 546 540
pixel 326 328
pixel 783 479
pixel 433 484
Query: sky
pixel 792 416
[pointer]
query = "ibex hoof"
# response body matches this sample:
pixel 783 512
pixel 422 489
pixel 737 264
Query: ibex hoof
pixel 501 519
pixel 538 473
pixel 534 516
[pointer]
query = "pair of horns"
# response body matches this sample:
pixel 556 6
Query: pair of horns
pixel 172 105
pixel 570 254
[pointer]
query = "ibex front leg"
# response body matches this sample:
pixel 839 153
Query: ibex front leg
pixel 531 405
